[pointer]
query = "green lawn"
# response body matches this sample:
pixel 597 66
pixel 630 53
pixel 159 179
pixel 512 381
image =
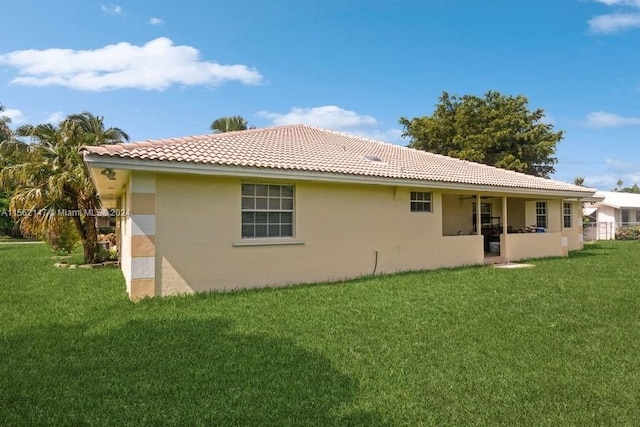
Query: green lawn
pixel 558 344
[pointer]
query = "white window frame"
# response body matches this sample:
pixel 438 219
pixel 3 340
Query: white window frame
pixel 567 214
pixel 541 214
pixel 486 209
pixel 267 210
pixel 421 201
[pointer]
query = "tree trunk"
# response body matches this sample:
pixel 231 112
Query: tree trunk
pixel 88 232
pixel 90 240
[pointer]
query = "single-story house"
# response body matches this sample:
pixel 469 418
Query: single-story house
pixel 613 211
pixel 293 204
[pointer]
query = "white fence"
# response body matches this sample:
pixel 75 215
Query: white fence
pixel 604 230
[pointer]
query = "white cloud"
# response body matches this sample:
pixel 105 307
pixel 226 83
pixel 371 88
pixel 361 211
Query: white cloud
pixel 609 179
pixel 626 18
pixel 602 119
pixel 328 116
pixel 54 118
pixel 548 119
pixel 16 116
pixel 614 22
pixel 388 135
pixel 602 182
pixel 619 165
pixel 156 21
pixel 155 65
pixel 635 3
pixel 112 9
pixel 334 118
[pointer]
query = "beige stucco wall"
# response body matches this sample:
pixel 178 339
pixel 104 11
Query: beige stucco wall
pixel 554 214
pixel 459 215
pixel 183 234
pixel 532 245
pixel 339 228
pixel 574 235
pixel 517 218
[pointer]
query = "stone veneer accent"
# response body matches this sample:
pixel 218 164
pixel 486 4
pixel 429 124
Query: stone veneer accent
pixel 143 230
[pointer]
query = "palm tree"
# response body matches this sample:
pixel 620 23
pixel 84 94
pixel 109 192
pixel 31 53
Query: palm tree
pixel 5 132
pixel 579 180
pixel 55 180
pixel 13 151
pixel 229 124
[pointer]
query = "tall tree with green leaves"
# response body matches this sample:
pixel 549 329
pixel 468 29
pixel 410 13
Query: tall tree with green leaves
pixel 229 124
pixel 5 131
pixel 496 130
pixel 622 189
pixel 12 152
pixel 579 180
pixel 56 181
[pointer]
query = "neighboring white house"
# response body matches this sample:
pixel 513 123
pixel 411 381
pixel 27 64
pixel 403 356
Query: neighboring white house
pixel 607 216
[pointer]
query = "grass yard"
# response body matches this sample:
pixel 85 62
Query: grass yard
pixel 558 344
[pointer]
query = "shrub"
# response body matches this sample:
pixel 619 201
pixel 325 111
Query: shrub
pixel 628 233
pixel 61 235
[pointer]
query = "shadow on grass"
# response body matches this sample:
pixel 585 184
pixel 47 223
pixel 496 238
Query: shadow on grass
pixel 584 253
pixel 591 250
pixel 169 372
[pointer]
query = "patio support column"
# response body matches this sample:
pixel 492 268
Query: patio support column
pixel 565 239
pixel 505 220
pixel 478 217
pixel 505 227
pixel 119 225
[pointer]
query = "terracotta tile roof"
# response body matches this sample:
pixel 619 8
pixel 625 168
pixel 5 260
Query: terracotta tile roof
pixel 310 149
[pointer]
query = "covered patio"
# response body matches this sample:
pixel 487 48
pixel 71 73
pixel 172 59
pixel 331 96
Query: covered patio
pixel 513 226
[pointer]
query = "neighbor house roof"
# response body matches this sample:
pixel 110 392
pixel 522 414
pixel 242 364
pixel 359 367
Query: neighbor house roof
pixel 301 148
pixel 589 210
pixel 619 200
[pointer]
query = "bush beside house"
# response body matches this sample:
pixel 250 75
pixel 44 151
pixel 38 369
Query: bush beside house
pixel 628 233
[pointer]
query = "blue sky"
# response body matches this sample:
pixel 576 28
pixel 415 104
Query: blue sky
pixel 164 69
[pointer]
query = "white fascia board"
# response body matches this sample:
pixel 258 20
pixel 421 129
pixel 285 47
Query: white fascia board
pixel 609 205
pixel 621 206
pixel 98 161
pixel 589 199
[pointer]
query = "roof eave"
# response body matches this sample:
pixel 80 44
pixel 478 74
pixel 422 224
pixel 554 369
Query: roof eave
pixel 102 161
pixel 611 205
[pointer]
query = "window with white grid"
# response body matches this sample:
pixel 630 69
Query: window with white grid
pixel 267 210
pixel 567 213
pixel 420 201
pixel 541 214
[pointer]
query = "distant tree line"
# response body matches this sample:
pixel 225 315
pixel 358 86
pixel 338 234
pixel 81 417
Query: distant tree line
pixel 622 189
